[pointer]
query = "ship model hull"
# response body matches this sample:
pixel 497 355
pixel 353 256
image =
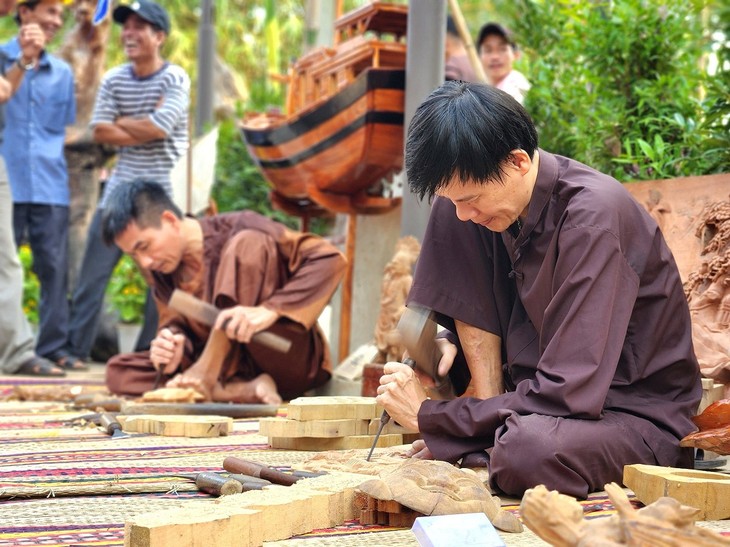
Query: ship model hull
pixel 335 153
pixel 343 137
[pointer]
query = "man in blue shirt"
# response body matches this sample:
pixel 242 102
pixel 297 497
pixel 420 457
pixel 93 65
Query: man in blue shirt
pixel 36 120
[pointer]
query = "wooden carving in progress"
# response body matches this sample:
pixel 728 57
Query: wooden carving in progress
pixel 84 48
pixel 558 519
pixel 397 280
pixel 172 395
pixel 708 294
pixel 434 487
pixel 714 433
pixel 693 214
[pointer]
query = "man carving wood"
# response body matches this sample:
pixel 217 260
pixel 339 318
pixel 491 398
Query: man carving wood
pixel 262 275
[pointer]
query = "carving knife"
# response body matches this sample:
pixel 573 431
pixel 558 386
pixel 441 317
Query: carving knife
pixel 203 312
pixel 385 417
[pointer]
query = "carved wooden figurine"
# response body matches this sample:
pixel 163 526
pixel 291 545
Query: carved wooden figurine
pixel 714 433
pixel 397 279
pixel 558 519
pixel 708 293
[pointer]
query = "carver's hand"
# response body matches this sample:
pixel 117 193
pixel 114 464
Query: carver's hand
pixel 240 323
pixel 166 351
pixel 31 40
pixel 401 394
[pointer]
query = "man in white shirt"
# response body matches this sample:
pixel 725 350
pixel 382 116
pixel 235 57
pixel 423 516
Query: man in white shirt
pixel 498 51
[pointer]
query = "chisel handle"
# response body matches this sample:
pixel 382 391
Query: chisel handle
pixel 216 485
pixel 109 423
pixel 245 467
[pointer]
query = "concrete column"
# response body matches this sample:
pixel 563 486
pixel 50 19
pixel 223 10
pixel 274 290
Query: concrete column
pixel 424 72
pixel 206 61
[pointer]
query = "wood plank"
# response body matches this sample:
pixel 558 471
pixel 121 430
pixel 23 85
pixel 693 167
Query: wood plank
pixel 284 427
pixel 705 490
pixel 333 408
pixel 201 525
pixel 337 443
pixel 178 426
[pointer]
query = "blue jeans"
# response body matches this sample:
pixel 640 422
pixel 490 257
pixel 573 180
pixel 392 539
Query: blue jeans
pixel 45 227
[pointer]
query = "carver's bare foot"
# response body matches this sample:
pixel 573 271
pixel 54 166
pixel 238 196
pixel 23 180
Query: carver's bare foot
pixel 193 378
pixel 261 389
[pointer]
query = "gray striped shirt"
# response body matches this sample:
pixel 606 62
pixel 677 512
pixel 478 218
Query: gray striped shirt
pixel 121 93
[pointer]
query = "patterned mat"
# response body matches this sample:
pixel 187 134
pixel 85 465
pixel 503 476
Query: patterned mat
pixel 42 447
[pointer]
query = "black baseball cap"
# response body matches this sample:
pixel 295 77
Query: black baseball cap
pixel 495 28
pixel 153 13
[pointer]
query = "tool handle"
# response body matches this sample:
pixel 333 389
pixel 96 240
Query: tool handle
pixel 109 423
pixel 272 341
pixel 250 483
pixel 216 485
pixel 237 465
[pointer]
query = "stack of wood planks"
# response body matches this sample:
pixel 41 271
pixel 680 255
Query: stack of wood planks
pixel 332 423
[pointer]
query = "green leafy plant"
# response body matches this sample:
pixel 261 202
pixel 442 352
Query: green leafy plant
pixel 31 285
pixel 619 85
pixel 127 291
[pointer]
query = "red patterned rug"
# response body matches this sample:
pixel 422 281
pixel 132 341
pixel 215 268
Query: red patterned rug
pixel 44 449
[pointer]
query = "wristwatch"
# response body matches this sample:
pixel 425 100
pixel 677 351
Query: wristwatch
pixel 24 66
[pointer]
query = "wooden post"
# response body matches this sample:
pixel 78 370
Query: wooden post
pixel 463 29
pixel 346 311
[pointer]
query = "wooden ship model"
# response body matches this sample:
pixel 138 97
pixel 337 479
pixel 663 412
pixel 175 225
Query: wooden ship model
pixel 342 134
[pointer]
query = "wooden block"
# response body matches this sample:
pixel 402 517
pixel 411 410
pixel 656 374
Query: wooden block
pixel 284 427
pixel 711 392
pixel 333 408
pixel 178 426
pixel 284 514
pixel 343 483
pixel 333 513
pixel 200 526
pixel 391 427
pixel 337 443
pixel 707 491
pixel 321 505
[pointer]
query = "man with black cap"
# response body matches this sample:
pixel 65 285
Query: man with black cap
pixel 141 107
pixel 498 51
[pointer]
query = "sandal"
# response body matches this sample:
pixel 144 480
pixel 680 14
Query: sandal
pixel 39 366
pixel 70 362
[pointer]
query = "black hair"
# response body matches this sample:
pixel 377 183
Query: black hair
pixel 451 27
pixel 140 201
pixel 465 130
pixel 32 4
pixel 495 28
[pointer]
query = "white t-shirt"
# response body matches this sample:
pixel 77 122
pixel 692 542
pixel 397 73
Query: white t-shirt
pixel 515 84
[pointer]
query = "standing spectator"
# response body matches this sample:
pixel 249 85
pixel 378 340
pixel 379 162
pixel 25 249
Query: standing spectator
pixel 458 66
pixel 498 51
pixel 141 107
pixel 17 355
pixel 37 116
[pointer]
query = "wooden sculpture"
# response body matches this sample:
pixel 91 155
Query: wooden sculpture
pixel 84 47
pixel 433 487
pixel 397 279
pixel 558 519
pixel 708 293
pixel 714 433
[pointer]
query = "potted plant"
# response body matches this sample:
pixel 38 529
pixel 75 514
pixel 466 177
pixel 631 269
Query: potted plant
pixel 31 286
pixel 126 294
